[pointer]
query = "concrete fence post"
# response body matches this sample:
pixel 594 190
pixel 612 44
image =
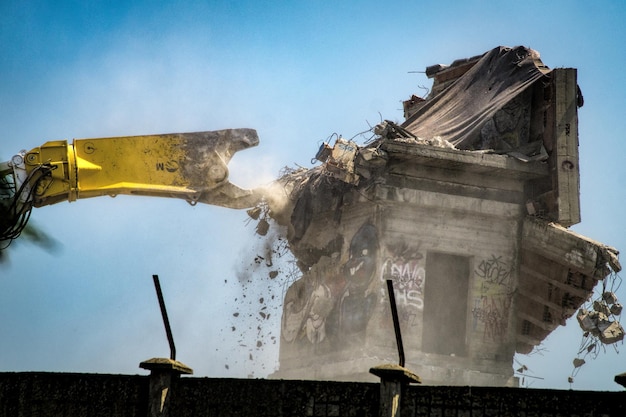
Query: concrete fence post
pixel 393 380
pixel 163 376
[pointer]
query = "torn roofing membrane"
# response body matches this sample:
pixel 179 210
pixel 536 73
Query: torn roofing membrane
pixel 459 113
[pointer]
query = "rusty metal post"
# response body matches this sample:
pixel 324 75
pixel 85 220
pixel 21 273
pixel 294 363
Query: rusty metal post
pixel 396 321
pixel 393 378
pixel 164 373
pixel 166 321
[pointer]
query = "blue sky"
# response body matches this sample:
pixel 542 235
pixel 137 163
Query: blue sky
pixel 295 71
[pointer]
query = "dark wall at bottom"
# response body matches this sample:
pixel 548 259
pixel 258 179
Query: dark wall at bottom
pixel 65 394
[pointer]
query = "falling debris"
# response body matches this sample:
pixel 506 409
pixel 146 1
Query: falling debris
pixel 257 316
pixel 600 324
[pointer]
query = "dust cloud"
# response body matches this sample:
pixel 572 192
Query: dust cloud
pixel 266 269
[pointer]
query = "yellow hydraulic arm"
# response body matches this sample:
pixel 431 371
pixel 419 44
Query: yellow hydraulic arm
pixel 190 166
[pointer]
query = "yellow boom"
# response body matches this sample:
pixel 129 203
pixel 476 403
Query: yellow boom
pixel 189 166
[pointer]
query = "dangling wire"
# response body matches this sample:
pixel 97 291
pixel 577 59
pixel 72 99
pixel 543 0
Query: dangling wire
pixel 592 343
pixel 15 216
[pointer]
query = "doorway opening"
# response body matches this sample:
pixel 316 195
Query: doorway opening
pixel 445 304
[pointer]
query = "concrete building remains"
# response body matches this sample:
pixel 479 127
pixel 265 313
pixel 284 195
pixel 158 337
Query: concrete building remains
pixel 465 206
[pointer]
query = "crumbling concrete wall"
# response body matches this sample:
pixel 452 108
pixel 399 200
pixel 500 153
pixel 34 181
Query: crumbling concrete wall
pixel 452 256
pixel 61 395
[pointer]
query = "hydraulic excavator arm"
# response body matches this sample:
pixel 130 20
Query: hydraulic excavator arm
pixel 189 166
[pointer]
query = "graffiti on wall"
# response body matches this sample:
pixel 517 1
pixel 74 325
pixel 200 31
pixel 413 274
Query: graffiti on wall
pixel 358 298
pixel 334 299
pixel 492 313
pixel 492 304
pixel 405 267
pixel 494 271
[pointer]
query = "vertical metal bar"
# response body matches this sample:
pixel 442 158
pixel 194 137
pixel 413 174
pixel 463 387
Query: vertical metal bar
pixel 166 321
pixel 396 321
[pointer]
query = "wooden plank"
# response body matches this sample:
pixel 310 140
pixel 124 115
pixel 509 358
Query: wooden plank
pixel 565 169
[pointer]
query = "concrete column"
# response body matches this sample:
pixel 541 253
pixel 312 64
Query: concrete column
pixel 393 379
pixel 163 376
